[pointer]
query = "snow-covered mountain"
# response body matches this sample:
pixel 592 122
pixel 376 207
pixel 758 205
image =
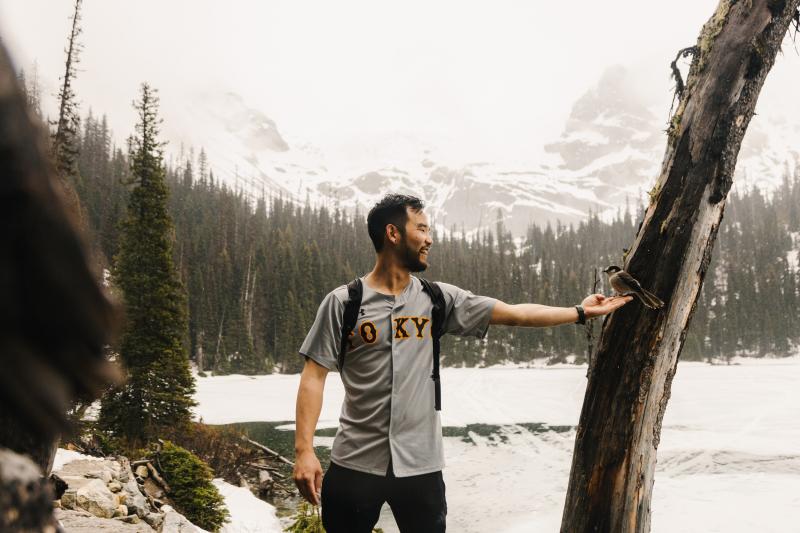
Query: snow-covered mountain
pixel 609 152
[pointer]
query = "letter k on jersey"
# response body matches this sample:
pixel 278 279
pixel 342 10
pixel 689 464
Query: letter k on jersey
pixel 403 330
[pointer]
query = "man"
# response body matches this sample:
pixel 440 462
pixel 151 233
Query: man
pixel 389 444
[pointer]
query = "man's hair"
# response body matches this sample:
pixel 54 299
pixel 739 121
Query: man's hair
pixel 390 210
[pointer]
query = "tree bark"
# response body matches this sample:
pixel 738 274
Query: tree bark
pixel 611 480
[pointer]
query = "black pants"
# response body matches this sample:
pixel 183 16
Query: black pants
pixel 352 501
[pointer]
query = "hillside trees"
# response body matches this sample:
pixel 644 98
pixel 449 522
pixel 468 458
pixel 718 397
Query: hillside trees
pixel 256 269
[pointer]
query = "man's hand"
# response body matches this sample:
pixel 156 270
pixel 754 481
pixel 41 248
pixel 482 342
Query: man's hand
pixel 308 476
pixel 307 470
pixel 599 304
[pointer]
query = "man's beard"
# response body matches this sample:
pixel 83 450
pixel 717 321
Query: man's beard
pixel 411 259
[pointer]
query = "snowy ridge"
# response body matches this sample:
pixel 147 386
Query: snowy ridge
pixel 609 152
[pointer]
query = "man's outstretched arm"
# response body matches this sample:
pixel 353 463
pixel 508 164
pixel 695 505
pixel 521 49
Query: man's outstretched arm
pixel 535 315
pixel 307 470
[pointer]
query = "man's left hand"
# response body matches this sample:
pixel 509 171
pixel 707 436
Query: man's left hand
pixel 599 304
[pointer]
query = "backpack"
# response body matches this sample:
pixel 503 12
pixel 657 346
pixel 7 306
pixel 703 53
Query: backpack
pixel 355 291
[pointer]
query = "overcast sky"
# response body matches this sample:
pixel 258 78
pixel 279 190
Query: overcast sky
pixel 489 77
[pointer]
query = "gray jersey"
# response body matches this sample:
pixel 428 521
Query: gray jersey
pixel 388 410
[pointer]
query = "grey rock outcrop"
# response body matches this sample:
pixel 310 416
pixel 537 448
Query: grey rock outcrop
pixel 83 522
pixel 95 498
pixel 104 495
pixel 175 522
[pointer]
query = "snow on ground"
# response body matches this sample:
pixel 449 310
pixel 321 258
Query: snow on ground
pixel 248 513
pixel 729 458
pixel 64 456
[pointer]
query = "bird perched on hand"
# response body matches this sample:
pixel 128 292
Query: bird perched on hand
pixel 625 284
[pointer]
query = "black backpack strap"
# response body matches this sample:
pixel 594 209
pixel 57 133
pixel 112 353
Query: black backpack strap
pixel 354 293
pixel 437 329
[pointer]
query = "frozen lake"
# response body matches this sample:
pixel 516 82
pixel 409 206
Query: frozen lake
pixel 729 458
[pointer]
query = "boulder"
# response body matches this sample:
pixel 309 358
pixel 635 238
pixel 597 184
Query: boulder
pixel 142 471
pixel 95 498
pixel 122 510
pixel 125 473
pixel 115 486
pixel 83 522
pixel 129 519
pixel 134 499
pixel 155 520
pixel 69 500
pixel 265 483
pixel 174 522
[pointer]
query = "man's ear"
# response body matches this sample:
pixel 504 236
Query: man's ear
pixel 392 233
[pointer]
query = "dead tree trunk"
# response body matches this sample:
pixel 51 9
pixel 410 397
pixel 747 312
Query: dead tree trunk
pixel 611 481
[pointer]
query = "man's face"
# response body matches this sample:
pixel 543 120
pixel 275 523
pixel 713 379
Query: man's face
pixel 416 241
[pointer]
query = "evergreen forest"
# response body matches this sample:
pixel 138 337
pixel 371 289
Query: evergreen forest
pixel 256 270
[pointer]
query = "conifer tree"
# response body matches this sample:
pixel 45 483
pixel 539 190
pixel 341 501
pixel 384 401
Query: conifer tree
pixel 158 393
pixel 66 136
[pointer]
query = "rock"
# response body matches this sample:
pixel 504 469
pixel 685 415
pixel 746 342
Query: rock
pixel 122 510
pixel 69 500
pixel 83 522
pixel 155 520
pixel 129 519
pixel 142 471
pixel 174 522
pixel 265 483
pixel 134 499
pixel 104 473
pixel 115 486
pixel 80 472
pixel 97 499
pixel 125 473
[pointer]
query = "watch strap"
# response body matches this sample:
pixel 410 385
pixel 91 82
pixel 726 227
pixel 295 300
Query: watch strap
pixel 581 315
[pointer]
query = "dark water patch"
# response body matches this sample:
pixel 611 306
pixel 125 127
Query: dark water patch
pixel 282 440
pixel 498 433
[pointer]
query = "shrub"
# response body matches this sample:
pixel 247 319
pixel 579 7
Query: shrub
pixel 219 447
pixel 308 520
pixel 189 480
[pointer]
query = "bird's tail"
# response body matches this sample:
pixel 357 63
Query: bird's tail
pixel 651 300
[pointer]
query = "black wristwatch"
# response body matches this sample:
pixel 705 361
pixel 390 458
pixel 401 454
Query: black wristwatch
pixel 581 315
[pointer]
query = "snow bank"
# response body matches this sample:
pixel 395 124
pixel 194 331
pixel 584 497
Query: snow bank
pixel 248 513
pixel 64 456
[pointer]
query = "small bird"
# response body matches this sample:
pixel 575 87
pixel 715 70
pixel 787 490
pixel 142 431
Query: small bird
pixel 625 284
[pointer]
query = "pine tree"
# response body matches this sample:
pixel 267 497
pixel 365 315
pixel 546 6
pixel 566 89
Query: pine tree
pixel 67 126
pixel 158 393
